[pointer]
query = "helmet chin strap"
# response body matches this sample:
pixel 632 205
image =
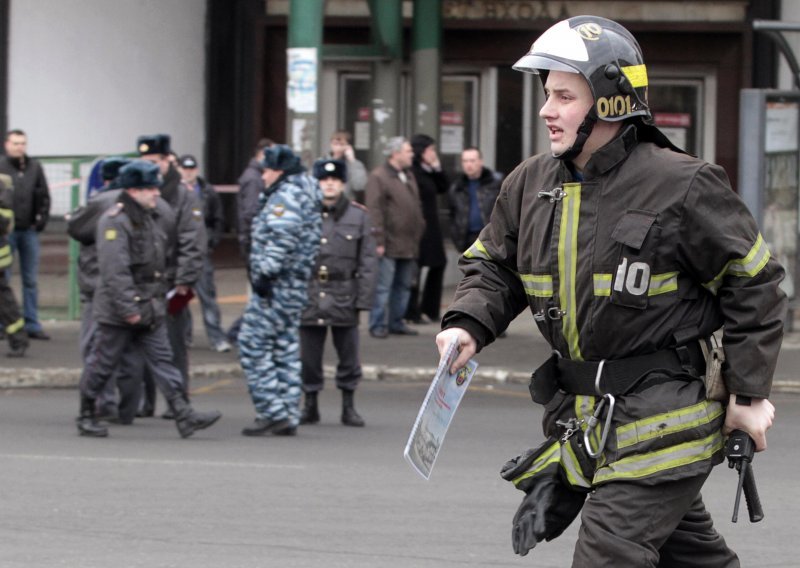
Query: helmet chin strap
pixel 584 131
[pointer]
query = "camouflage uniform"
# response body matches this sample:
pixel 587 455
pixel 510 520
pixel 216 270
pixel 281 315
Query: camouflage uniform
pixel 285 239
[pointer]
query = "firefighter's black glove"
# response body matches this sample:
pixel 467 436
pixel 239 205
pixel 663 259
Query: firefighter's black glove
pixel 546 511
pixel 262 286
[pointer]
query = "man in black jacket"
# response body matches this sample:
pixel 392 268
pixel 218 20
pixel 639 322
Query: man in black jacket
pixel 472 196
pixel 185 262
pixel 31 212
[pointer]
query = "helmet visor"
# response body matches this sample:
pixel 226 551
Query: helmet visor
pixel 534 63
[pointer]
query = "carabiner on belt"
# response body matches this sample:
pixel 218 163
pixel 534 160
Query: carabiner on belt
pixel 594 419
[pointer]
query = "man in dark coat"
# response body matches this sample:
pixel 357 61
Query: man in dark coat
pixel 31 213
pixel 431 181
pixel 471 196
pixel 185 264
pixel 342 283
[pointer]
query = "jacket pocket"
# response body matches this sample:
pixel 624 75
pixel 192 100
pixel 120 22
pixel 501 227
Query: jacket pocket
pixel 637 235
pixel 346 239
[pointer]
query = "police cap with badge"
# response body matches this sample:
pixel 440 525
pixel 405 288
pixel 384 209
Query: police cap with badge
pixel 153 144
pixel 330 168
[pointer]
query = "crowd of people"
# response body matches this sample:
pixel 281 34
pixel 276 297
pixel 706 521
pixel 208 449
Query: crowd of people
pixel 320 247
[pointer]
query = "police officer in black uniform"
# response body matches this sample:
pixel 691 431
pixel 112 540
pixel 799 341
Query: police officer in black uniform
pixel 184 260
pixel 342 283
pixel 129 304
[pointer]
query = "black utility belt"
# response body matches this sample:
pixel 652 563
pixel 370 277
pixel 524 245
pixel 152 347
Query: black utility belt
pixel 617 377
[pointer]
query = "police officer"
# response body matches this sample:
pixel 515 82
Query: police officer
pixel 129 303
pixel 342 283
pixel 630 254
pixel 82 226
pixel 11 322
pixel 285 240
pixel 185 260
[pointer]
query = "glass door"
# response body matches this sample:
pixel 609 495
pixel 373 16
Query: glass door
pixel 458 118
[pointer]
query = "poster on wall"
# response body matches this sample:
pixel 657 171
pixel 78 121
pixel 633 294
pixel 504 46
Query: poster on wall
pixel 301 86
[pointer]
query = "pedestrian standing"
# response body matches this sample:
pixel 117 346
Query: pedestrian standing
pixel 342 283
pixel 130 303
pixel 285 241
pixel 341 148
pixel 396 214
pixel 630 254
pixel 431 259
pixel 31 213
pixel 205 287
pixel 471 198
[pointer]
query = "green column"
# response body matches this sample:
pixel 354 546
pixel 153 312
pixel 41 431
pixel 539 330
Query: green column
pixel 303 72
pixel 387 17
pixel 426 39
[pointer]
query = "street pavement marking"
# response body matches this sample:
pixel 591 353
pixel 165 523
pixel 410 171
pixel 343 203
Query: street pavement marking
pixel 150 462
pixel 212 387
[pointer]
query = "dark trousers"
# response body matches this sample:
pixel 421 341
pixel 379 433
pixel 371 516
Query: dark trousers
pixel 108 348
pixel 127 376
pixel 176 326
pixel 312 347
pixel 430 304
pixel 11 321
pixel 649 526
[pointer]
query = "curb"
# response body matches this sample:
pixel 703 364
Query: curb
pixel 61 377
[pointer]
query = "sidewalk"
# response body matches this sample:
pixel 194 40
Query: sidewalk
pixel 57 363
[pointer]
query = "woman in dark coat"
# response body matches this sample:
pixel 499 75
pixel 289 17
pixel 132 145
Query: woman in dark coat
pixel 431 181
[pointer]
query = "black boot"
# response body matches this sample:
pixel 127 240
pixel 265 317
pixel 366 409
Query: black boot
pixel 349 415
pixel 18 343
pixel 188 420
pixel 310 412
pixel 87 422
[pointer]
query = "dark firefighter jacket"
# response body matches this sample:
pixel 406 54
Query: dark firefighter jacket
pixel 652 245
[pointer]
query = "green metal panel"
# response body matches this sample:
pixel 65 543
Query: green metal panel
pixel 387 20
pixel 306 18
pixel 427 30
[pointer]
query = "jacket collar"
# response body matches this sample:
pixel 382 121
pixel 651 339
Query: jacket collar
pixel 136 213
pixel 612 153
pixel 338 208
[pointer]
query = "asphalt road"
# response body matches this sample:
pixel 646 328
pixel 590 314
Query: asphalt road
pixel 331 497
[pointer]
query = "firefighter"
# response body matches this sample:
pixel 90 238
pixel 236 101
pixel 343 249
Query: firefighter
pixel 630 255
pixel 11 322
